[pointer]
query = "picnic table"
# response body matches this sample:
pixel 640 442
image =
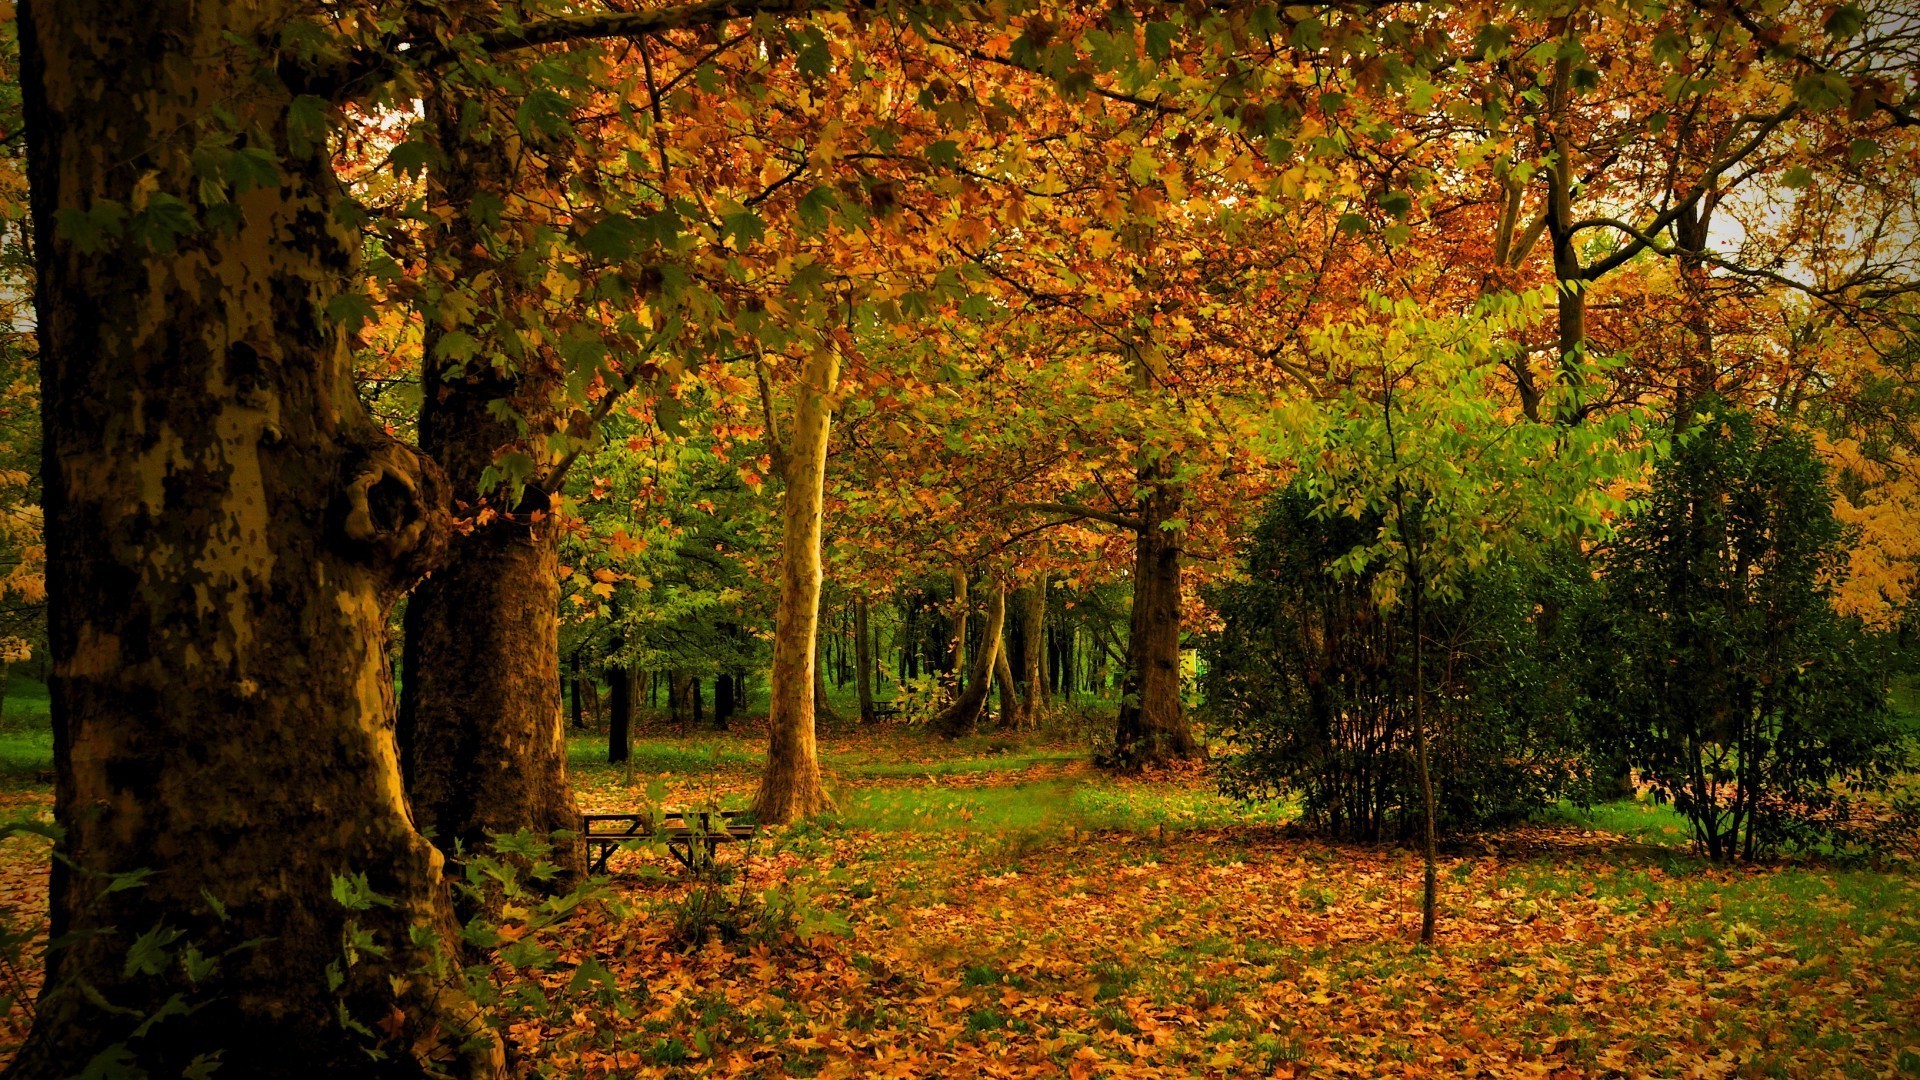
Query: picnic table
pixel 687 833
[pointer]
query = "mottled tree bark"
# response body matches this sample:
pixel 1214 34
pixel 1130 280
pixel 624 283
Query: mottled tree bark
pixel 863 659
pixel 1152 727
pixel 482 741
pixel 963 716
pixel 226 530
pixel 791 787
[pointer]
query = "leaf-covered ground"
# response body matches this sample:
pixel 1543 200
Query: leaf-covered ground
pixel 993 909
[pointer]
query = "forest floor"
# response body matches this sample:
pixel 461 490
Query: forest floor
pixel 999 908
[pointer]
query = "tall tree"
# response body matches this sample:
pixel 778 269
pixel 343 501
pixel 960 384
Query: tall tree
pixel 791 788
pixel 482 740
pixel 226 530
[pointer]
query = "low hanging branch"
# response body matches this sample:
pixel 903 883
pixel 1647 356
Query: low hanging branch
pixel 1075 509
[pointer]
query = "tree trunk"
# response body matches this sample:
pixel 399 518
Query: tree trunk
pixel 822 705
pixel 957 645
pixel 1151 727
pixel 1033 618
pixel 619 715
pixel 1003 684
pixel 723 703
pixel 863 659
pixel 573 688
pixel 1430 887
pixel 226 530
pixel 482 742
pixel 963 716
pixel 791 788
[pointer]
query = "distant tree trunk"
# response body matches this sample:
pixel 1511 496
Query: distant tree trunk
pixel 573 686
pixel 226 531
pixel 1151 727
pixel 1033 624
pixel 619 714
pixel 963 716
pixel 863 659
pixel 957 644
pixel 679 697
pixel 822 705
pixel 723 700
pixel 1003 685
pixel 693 691
pixel 791 787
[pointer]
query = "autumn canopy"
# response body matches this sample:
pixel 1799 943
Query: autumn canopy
pixel 870 452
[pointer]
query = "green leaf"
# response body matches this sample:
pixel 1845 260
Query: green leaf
pixel 164 221
pixel 307 125
pixel 410 158
pixel 351 310
pixel 1845 21
pixel 744 226
pixel 1822 91
pixel 543 112
pixel 355 894
pixel 148 954
pixel 816 205
pixel 1160 37
pixel 456 345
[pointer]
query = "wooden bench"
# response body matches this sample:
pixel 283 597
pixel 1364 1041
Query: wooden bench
pixel 684 831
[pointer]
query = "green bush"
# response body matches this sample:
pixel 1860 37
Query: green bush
pixel 1728 679
pixel 1310 683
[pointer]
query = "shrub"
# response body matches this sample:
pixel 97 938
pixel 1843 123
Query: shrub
pixel 1311 684
pixel 1730 681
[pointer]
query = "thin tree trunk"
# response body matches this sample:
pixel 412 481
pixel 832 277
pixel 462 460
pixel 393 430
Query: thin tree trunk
pixel 1003 685
pixel 1151 727
pixel 957 645
pixel 1429 895
pixel 226 531
pixel 791 787
pixel 863 659
pixel 963 716
pixel 822 705
pixel 573 691
pixel 1033 617
pixel 723 700
pixel 619 715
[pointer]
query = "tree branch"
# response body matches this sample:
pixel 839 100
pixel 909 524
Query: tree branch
pixel 1074 509
pixel 603 25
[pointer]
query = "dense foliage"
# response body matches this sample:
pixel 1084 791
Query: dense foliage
pixel 1735 687
pixel 1311 683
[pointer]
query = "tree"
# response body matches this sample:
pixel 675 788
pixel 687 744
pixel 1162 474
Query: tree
pixel 1416 442
pixel 962 717
pixel 1740 693
pixel 226 530
pixel 791 787
pixel 482 739
pixel 1307 677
